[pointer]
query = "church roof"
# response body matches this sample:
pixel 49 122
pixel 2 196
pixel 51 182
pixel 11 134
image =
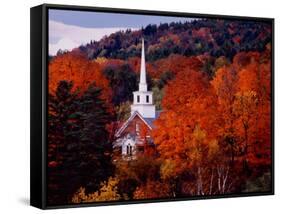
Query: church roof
pixel 147 121
pixel 150 121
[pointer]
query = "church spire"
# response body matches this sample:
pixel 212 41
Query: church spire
pixel 142 84
pixel 143 99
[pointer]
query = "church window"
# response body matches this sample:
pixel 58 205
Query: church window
pixel 129 150
pixel 138 98
pixel 147 98
pixel 137 128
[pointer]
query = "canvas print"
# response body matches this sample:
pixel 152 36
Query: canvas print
pixel 149 107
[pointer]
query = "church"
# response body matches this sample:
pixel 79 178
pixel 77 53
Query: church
pixel 133 137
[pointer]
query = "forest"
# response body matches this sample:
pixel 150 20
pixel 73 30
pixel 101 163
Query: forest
pixel 211 80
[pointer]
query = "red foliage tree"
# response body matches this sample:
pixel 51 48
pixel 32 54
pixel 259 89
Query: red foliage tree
pixel 75 67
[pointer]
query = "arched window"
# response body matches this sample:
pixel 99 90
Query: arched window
pixel 129 150
pixel 138 98
pixel 147 98
pixel 137 128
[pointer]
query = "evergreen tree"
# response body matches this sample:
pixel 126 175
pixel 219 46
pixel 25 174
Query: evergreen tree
pixel 94 146
pixel 63 129
pixel 123 82
pixel 79 152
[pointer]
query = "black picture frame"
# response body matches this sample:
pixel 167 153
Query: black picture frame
pixel 39 98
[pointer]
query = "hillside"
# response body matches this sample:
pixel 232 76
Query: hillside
pixel 206 36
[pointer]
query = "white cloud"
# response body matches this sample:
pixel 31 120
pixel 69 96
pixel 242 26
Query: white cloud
pixel 71 36
pixel 63 44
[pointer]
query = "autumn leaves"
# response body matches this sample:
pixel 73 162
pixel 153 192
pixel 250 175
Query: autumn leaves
pixel 212 137
pixel 217 129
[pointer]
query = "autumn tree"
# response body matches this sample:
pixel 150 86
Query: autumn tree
pixel 189 103
pixel 136 173
pixel 74 66
pixel 188 94
pixel 157 97
pixel 152 190
pixel 210 172
pixel 108 192
pixel 252 105
pixel 224 84
pixel 183 63
pixel 243 90
pixel 122 80
pixel 123 111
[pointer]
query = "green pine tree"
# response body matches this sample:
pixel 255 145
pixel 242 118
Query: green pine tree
pixel 78 148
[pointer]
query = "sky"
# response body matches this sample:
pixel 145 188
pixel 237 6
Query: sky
pixel 70 29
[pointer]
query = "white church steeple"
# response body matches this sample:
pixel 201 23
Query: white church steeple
pixel 142 84
pixel 143 99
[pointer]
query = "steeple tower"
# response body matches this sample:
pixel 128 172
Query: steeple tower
pixel 143 102
pixel 142 84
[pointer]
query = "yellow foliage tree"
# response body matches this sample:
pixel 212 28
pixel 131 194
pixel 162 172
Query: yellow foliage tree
pixel 107 192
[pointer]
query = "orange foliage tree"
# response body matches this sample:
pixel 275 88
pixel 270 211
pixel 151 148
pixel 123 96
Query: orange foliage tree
pixel 189 101
pixel 214 128
pixel 253 106
pixel 224 86
pixel 182 63
pixel 188 127
pixel 75 67
pixel 243 90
